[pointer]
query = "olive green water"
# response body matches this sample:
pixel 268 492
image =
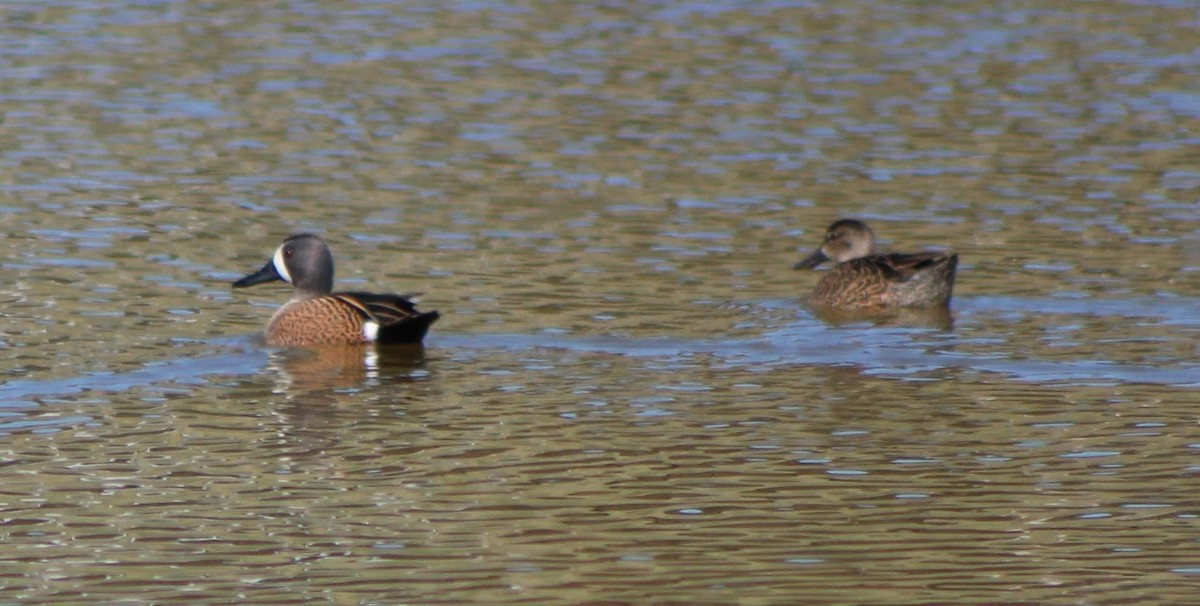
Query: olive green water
pixel 627 400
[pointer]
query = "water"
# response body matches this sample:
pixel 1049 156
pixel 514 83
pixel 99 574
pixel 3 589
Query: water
pixel 627 399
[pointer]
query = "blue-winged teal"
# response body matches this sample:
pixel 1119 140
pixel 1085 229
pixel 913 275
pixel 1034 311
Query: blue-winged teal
pixel 317 316
pixel 863 278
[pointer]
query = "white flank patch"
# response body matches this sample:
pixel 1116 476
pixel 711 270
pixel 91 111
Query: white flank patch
pixel 280 266
pixel 370 330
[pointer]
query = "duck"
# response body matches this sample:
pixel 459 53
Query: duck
pixel 315 315
pixel 863 278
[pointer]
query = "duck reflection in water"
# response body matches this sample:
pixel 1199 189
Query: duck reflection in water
pixel 330 368
pixel 937 318
pixel 321 392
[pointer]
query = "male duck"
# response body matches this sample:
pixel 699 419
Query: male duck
pixel 318 316
pixel 863 278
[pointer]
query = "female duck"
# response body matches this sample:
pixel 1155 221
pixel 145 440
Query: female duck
pixel 864 278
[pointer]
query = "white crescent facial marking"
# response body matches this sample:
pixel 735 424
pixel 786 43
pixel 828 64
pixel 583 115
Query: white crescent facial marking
pixel 370 330
pixel 280 266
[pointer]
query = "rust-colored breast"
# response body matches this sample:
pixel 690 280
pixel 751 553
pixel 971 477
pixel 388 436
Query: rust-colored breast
pixel 317 321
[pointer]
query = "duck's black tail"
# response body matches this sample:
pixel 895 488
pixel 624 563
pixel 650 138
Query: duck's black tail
pixel 409 330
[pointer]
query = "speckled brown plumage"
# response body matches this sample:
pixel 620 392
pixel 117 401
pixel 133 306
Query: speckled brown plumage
pixel 904 280
pixel 339 318
pixel 315 321
pixel 863 278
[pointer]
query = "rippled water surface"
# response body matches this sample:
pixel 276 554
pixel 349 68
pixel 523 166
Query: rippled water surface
pixel 627 399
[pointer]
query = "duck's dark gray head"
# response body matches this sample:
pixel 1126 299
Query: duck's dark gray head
pixel 846 239
pixel 303 260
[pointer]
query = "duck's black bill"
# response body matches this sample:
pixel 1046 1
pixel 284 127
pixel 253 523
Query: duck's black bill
pixel 812 260
pixel 266 274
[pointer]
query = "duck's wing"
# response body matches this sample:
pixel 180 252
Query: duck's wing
pixel 382 308
pixel 902 267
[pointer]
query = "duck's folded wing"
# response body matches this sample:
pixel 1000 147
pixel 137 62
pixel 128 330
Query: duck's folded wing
pixel 383 309
pixel 906 265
